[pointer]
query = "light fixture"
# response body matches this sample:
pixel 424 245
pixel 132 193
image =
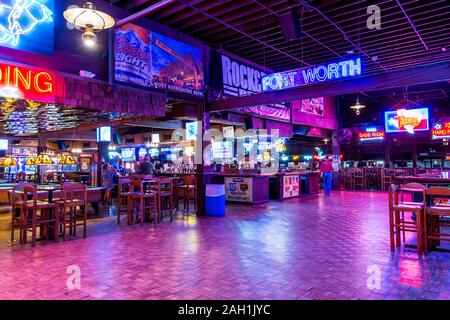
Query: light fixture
pixel 8 161
pixel 32 105
pixel 357 107
pixel 89 20
pixel 43 159
pixel 67 159
pixel 30 161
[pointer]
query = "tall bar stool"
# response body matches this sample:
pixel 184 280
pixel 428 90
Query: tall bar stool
pixel 432 218
pixel 397 208
pixel 349 180
pixel 188 192
pixel 123 194
pixel 165 197
pixel 141 200
pixel 34 213
pixel 386 179
pixel 359 179
pixel 16 203
pixel 73 206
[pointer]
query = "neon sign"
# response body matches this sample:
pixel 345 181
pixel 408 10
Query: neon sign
pixel 406 120
pixel 26 83
pixel 371 134
pixel 441 131
pixel 27 25
pixel 301 77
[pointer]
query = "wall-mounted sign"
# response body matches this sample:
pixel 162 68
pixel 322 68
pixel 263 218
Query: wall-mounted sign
pixel 128 154
pixel 340 70
pixel 27 25
pixel 441 130
pixel 403 120
pixel 239 189
pixel 222 150
pixel 372 133
pixel 149 59
pixel 240 79
pixel 26 83
pixel 228 132
pixel 3 144
pixel 291 186
pixel 314 106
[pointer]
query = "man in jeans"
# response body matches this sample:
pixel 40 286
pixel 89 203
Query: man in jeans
pixel 327 173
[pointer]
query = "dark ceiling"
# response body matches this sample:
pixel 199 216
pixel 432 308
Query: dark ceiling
pixel 412 32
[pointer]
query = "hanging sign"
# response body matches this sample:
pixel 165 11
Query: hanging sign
pixel 349 68
pixel 372 133
pixel 441 130
pixel 26 83
pixel 406 120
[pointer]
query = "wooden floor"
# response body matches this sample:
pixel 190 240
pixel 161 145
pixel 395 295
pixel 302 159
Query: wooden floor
pixel 313 247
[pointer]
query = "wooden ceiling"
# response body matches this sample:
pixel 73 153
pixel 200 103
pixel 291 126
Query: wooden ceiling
pixel 413 32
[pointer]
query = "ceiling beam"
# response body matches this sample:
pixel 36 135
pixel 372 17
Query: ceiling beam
pixel 411 76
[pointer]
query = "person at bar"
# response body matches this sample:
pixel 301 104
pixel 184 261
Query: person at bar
pixel 326 168
pixel 147 167
pixel 108 174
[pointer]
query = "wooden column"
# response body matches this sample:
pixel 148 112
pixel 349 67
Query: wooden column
pixel 387 152
pixel 202 178
pixel 42 147
pixel 102 151
pixel 414 155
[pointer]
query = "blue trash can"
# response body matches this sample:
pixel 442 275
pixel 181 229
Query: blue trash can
pixel 215 200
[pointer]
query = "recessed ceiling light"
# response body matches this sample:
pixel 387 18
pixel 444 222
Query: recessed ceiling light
pixel 444 49
pixel 374 58
pixel 350 51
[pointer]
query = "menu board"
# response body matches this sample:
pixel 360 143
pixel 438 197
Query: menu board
pixel 291 186
pixel 128 154
pixel 239 189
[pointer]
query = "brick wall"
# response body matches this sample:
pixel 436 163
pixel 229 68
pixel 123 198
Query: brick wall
pixel 95 95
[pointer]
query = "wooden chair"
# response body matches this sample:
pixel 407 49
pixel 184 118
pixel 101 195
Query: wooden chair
pixel 188 192
pixel 432 218
pixel 165 197
pixel 349 180
pixel 123 194
pixel 386 179
pixel 359 180
pixel 34 213
pixel 147 200
pixel 73 206
pixel 397 208
pixel 16 203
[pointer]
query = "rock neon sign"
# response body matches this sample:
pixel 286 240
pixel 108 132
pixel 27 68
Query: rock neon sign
pixel 441 130
pixel 344 69
pixel 26 83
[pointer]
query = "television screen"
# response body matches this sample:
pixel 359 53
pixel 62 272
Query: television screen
pixel 403 120
pixel 128 154
pixel 3 144
pixel 104 134
pixel 191 130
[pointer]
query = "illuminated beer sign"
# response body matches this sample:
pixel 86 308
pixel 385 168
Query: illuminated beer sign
pixel 371 134
pixel 406 120
pixel 340 70
pixel 26 83
pixel 441 130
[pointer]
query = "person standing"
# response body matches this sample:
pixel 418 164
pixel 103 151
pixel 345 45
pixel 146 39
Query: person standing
pixel 326 168
pixel 147 167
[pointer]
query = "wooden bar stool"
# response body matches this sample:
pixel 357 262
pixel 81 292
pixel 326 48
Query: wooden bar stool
pixel 188 192
pixel 34 213
pixel 359 180
pixel 386 179
pixel 146 200
pixel 16 203
pixel 73 206
pixel 123 194
pixel 165 197
pixel 436 209
pixel 397 208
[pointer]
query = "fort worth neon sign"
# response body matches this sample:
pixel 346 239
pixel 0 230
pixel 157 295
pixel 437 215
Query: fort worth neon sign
pixel 312 75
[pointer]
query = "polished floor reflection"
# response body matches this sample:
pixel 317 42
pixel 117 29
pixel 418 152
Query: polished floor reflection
pixel 314 247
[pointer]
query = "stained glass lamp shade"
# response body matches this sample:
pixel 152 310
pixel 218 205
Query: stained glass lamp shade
pixel 67 159
pixel 43 159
